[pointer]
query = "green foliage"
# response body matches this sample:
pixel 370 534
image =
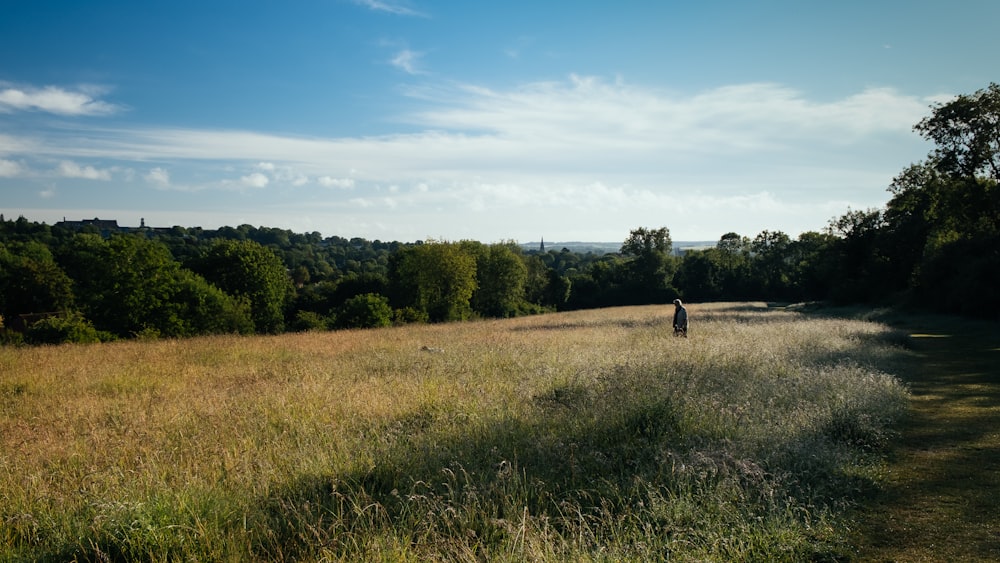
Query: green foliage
pixel 643 242
pixel 31 281
pixel 370 310
pixel 86 258
pixel 771 263
pixel 58 329
pixel 651 267
pixel 501 275
pixel 408 315
pixel 202 308
pixel 308 320
pixel 132 285
pixel 248 270
pixel 557 290
pixel 864 263
pixel 700 275
pixel 960 276
pixel 814 266
pixel 354 284
pixel 436 278
pixel 965 132
pixel 943 221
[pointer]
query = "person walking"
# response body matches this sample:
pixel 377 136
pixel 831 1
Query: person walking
pixel 680 319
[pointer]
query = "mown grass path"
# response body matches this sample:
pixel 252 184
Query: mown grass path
pixel 942 500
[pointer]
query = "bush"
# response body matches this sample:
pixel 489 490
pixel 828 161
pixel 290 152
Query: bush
pixel 309 320
pixel 10 337
pixel 57 329
pixel 370 310
pixel 408 315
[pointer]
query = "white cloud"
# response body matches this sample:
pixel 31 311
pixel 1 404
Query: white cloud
pixel 255 180
pixel 605 154
pixel 10 169
pixel 408 61
pixel 55 100
pixel 285 174
pixel 331 182
pixel 70 169
pixel 581 126
pixel 159 177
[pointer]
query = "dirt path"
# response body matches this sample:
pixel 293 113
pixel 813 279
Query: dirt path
pixel 942 501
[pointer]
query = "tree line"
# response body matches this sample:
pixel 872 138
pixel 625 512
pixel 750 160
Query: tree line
pixel 936 244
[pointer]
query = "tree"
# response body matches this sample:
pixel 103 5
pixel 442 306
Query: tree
pixel 143 290
pixel 435 278
pixel 651 267
pixel 600 284
pixel 86 259
pixel 500 278
pixel 863 263
pixel 942 225
pixel 734 253
pixel 700 275
pixel 558 289
pixel 31 281
pixel 966 131
pixel 248 270
pixel 204 308
pixel 813 265
pixel 770 264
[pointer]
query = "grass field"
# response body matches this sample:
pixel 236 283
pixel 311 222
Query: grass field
pixel 585 436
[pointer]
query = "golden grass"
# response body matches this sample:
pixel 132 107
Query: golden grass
pixel 328 445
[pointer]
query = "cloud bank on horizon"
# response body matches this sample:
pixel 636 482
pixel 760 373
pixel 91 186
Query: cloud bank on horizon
pixel 571 156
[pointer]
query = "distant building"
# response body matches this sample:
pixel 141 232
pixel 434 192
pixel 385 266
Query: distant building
pixel 102 224
pixel 107 227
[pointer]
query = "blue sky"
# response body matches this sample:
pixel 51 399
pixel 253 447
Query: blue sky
pixel 415 119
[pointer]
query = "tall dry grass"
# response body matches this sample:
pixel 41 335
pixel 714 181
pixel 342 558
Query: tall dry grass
pixel 593 435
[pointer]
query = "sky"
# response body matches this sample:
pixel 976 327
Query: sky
pixel 407 120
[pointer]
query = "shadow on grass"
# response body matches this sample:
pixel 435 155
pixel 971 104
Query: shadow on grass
pixel 472 488
pixel 579 466
pixel 945 473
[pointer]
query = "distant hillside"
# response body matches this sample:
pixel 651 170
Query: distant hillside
pixel 608 247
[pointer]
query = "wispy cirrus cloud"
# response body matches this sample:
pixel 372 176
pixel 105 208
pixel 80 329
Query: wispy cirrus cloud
pixel 408 61
pixel 83 101
pixel 391 7
pixel 581 124
pixel 603 151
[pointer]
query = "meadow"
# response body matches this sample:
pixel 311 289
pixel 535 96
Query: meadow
pixel 583 436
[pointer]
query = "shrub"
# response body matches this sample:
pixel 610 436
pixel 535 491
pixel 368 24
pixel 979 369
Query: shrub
pixel 408 315
pixel 308 320
pixel 71 327
pixel 364 311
